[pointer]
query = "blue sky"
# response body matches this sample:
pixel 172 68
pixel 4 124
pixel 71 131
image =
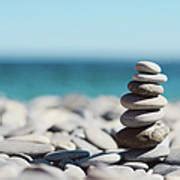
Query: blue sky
pixel 90 28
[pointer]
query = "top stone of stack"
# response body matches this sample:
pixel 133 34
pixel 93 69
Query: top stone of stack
pixel 148 67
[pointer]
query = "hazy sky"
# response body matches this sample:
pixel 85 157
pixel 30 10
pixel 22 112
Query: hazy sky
pixel 90 27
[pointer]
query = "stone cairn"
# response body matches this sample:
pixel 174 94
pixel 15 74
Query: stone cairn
pixel 144 128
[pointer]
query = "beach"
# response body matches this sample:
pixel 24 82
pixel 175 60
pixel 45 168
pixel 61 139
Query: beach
pixel 72 137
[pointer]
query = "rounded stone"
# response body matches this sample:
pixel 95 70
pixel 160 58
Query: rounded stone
pixel 175 175
pixel 158 78
pixel 148 67
pixel 144 137
pixel 100 138
pixel 137 165
pixel 107 158
pixel 145 89
pixel 134 102
pixel 141 118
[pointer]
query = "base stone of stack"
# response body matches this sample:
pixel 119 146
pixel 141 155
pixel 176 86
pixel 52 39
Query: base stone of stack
pixel 141 138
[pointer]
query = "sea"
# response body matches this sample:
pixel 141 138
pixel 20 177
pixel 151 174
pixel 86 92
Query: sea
pixel 26 79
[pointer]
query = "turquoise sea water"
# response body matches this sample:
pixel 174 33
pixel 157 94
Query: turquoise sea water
pixel 24 81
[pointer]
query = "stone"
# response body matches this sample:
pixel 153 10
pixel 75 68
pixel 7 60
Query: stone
pixel 147 155
pixel 175 175
pixel 74 172
pixel 134 102
pixel 62 141
pixel 144 137
pixel 145 89
pixel 137 165
pixel 75 102
pixel 148 67
pixel 100 138
pixel 84 145
pixel 141 118
pixel 19 161
pixel 158 78
pixel 31 138
pixel 41 172
pixel 67 155
pixel 164 169
pixel 173 157
pixel 45 102
pixel 24 147
pixel 107 158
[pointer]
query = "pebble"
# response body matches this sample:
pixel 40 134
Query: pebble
pixel 164 169
pixel 144 137
pixel 158 78
pixel 67 155
pixel 62 141
pixel 74 172
pixel 173 157
pixel 100 138
pixel 106 158
pixel 175 175
pixel 36 138
pixel 137 165
pixel 148 67
pixel 145 89
pixel 84 145
pixel 141 118
pixel 135 102
pixel 147 155
pixel 37 172
pixel 24 147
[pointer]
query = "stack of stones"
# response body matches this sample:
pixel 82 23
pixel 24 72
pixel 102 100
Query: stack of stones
pixel 144 128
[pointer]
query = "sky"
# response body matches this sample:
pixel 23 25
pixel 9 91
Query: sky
pixel 105 28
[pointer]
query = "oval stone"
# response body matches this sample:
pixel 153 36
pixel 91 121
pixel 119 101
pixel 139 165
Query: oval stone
pixel 100 138
pixel 134 102
pixel 144 137
pixel 145 89
pixel 67 155
pixel 31 148
pixel 140 118
pixel 158 78
pixel 148 67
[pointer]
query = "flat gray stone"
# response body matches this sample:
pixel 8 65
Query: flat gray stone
pixel 67 155
pixel 101 158
pixel 16 147
pixel 145 89
pixel 141 118
pixel 164 169
pixel 100 138
pixel 134 102
pixel 173 157
pixel 147 155
pixel 175 175
pixel 144 137
pixel 158 78
pixel 148 67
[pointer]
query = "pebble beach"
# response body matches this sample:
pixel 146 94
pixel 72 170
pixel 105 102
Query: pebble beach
pixel 75 137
